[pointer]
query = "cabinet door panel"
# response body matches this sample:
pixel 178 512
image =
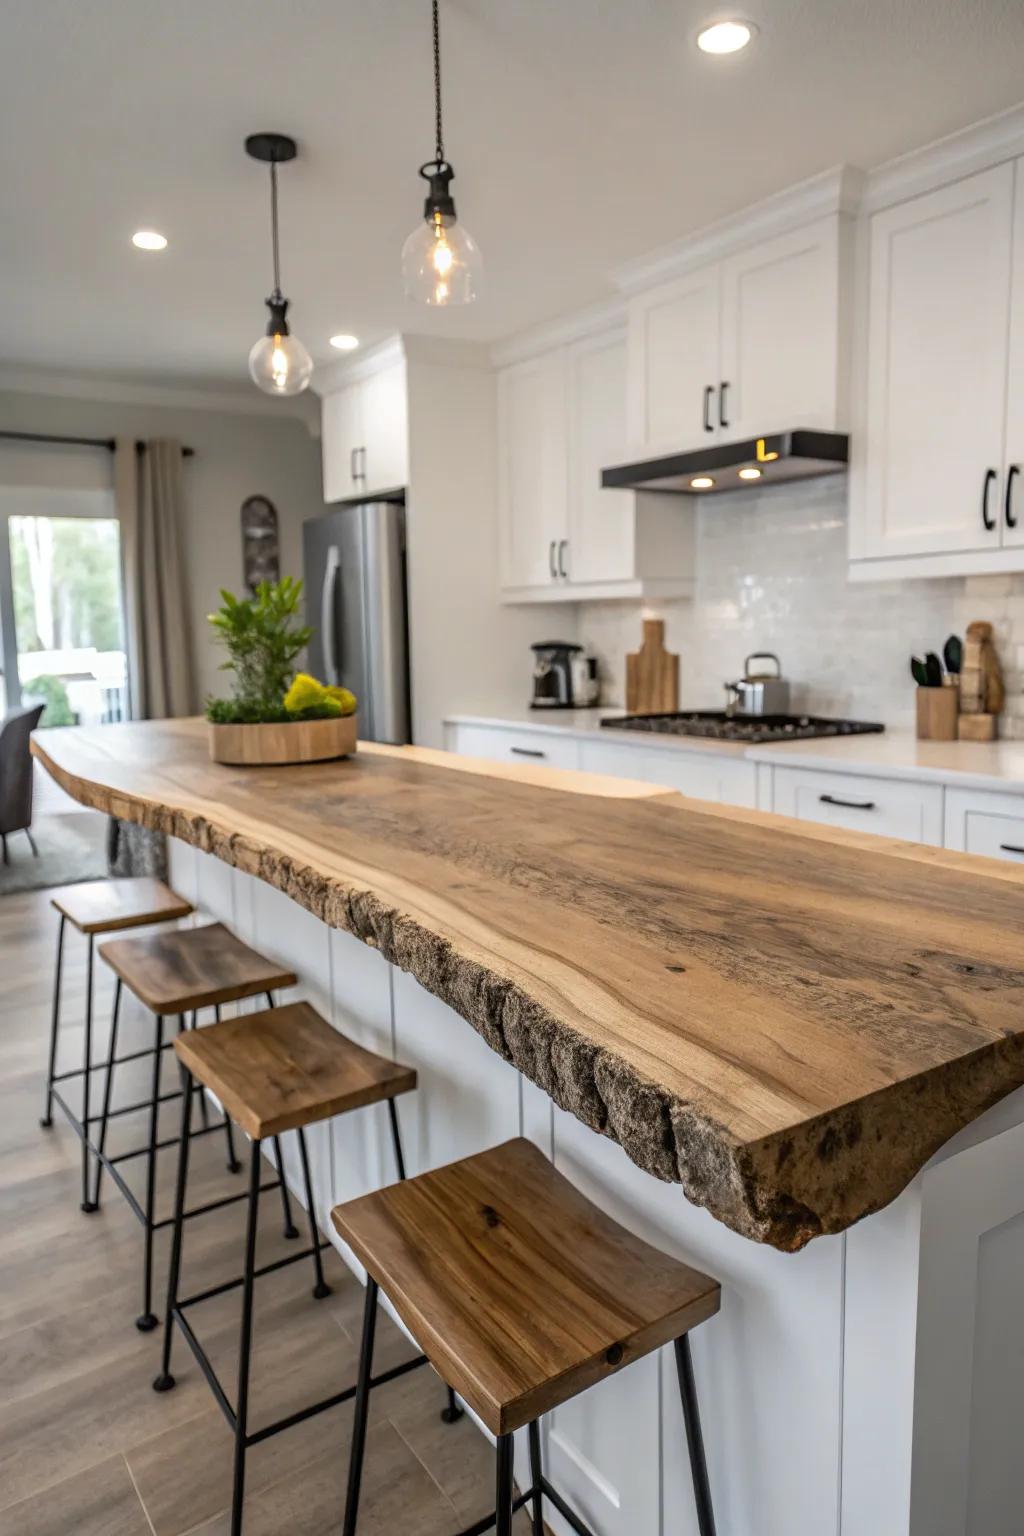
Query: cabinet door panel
pixel 1011 511
pixel 780 333
pixel 532 484
pixel 384 465
pixel 341 431
pixel 601 525
pixel 937 358
pixel 885 807
pixel 673 358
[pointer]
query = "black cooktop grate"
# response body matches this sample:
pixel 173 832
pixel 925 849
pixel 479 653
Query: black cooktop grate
pixel 716 725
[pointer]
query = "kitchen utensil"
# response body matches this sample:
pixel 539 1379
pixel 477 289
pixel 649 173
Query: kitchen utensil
pixel 552 674
pixel 981 678
pixel 919 671
pixel 937 711
pixel 933 669
pixel 652 674
pixel 758 692
pixel 586 685
pixel 953 654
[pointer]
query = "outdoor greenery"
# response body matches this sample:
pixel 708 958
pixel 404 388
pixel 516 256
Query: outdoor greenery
pixel 66 577
pixel 51 692
pixel 262 636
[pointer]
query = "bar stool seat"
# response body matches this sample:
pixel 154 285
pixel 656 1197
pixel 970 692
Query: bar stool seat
pixel 189 968
pixel 286 1068
pixel 108 906
pixel 521 1294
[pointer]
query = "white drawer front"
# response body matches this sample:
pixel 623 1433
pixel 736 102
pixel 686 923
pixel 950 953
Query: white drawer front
pixel 888 807
pixel 992 825
pixel 514 746
pixel 703 775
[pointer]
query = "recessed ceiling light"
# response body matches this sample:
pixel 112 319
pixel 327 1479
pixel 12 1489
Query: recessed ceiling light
pixel 149 240
pixel 701 483
pixel 750 474
pixel 344 342
pixel 725 36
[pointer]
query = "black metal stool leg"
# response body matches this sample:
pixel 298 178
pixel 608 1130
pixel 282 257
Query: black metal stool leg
pixel 536 1473
pixel 321 1288
pixel 108 1083
pixel 245 1342
pixel 694 1438
pixel 204 1108
pixel 88 1204
pixel 503 1482
pixel 47 1119
pixel 396 1138
pixel 452 1413
pixel 165 1381
pixel 362 1408
pixel 147 1321
pixel 234 1166
pixel 290 1229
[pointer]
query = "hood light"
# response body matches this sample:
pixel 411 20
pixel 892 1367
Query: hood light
pixel 750 474
pixel 701 483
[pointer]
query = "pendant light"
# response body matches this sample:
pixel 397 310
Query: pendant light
pixel 279 364
pixel 441 261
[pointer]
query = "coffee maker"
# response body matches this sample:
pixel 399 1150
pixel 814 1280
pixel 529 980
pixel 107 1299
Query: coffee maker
pixel 563 677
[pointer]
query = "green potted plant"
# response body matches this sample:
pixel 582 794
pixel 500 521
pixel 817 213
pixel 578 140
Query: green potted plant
pixel 274 715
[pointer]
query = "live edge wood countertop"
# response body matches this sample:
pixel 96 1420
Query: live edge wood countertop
pixel 786 1020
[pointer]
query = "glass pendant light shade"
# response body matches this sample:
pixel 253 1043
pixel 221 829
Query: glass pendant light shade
pixel 280 365
pixel 441 263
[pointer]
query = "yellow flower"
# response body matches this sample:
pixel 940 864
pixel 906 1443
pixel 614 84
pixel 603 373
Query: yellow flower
pixel 343 697
pixel 304 693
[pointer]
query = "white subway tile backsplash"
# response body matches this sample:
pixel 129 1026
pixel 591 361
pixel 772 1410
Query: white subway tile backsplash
pixel 772 574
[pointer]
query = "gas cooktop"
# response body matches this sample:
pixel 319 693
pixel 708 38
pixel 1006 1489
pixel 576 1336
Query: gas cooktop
pixel 718 726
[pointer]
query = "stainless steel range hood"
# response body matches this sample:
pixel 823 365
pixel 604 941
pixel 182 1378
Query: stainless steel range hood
pixel 757 461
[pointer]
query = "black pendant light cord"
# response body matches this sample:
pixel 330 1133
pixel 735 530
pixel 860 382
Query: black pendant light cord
pixel 273 229
pixel 438 134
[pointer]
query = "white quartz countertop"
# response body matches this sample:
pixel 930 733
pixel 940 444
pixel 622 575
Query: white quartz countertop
pixel 997 765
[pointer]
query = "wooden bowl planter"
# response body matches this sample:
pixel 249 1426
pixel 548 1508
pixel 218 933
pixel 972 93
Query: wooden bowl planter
pixel 293 741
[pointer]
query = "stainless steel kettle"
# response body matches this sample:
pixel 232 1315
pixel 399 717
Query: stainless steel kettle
pixel 760 692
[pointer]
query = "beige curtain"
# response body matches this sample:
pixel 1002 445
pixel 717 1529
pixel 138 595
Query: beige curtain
pixel 150 498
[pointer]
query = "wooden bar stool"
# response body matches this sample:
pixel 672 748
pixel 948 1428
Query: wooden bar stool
pixel 180 972
pixel 274 1072
pixel 522 1294
pixel 97 907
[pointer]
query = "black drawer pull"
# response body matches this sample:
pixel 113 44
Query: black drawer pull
pixel 709 390
pixel 1010 848
pixel 1011 475
pixel 527 752
pixel 849 805
pixel 990 479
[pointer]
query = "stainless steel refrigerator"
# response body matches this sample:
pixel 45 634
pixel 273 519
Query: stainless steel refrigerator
pixel 354 563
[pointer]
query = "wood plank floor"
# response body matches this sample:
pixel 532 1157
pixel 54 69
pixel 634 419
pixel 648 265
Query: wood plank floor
pixel 86 1447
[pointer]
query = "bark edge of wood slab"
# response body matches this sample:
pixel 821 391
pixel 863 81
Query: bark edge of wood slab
pixel 922 1040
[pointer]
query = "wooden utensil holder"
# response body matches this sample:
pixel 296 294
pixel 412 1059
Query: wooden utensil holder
pixel 938 710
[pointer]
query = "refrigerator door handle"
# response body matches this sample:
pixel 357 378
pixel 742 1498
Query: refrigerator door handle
pixel 328 616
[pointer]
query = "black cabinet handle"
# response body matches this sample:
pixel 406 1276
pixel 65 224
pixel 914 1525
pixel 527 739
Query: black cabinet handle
pixel 527 752
pixel 1010 848
pixel 551 560
pixel 849 805
pixel 722 422
pixel 988 522
pixel 709 390
pixel 563 545
pixel 1008 512
pixel 352 471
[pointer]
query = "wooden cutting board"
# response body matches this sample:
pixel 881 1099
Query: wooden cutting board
pixel 652 674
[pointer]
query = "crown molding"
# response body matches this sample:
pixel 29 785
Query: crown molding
pixel 560 332
pixel 187 397
pixel 348 370
pixel 959 154
pixel 838 191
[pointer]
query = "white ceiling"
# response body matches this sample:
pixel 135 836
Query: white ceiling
pixel 584 133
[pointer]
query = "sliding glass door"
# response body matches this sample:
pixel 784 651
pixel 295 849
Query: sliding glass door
pixel 61 620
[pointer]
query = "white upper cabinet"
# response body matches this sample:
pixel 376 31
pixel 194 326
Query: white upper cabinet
pixel 937 356
pixel 781 356
pixel 674 364
pixel 601 525
pixel 533 471
pixel 750 345
pixel 365 435
pixel 1013 462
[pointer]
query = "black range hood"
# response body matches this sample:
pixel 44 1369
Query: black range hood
pixel 757 461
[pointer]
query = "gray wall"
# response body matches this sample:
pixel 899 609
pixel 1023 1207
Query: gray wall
pixel 235 457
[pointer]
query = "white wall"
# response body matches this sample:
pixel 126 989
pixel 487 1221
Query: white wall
pixel 235 456
pixel 771 573
pixel 468 651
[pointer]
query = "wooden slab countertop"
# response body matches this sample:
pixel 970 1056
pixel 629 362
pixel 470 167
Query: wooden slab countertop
pixel 786 1020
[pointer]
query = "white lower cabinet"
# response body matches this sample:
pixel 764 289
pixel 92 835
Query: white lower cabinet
pixel 981 822
pixel 888 807
pixel 504 744
pixel 701 775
